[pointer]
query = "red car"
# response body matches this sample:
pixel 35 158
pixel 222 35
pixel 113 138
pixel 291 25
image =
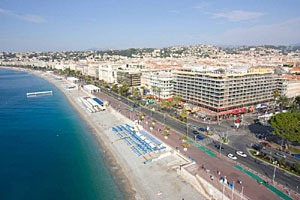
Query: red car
pixel 265 144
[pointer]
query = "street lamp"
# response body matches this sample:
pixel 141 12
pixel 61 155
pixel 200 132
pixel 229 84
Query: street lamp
pixel 220 145
pixel 274 174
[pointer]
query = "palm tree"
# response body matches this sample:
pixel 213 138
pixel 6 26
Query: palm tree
pixel 114 88
pixel 297 100
pixel 184 113
pixel 135 92
pixel 176 100
pixel 294 108
pixel 284 101
pixel 164 103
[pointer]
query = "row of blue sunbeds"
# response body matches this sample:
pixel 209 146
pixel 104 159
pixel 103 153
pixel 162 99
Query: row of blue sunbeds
pixel 138 144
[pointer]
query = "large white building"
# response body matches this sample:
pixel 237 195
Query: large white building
pixel 108 72
pixel 289 86
pixel 161 85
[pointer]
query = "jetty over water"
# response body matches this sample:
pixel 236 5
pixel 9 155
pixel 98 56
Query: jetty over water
pixel 38 93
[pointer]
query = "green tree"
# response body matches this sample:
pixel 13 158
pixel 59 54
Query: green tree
pixel 283 101
pixel 114 88
pixel 294 108
pixel 286 125
pixel 164 103
pixel 297 100
pixel 166 133
pixel 282 161
pixel 123 89
pixel 135 92
pixel 176 100
pixel 296 166
pixel 184 113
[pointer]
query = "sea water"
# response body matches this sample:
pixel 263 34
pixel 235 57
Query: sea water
pixel 46 150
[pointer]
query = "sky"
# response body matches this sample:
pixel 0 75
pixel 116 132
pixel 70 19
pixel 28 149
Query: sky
pixel 62 25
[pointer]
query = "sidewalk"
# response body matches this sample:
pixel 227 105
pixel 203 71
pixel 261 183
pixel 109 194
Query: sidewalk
pixel 251 188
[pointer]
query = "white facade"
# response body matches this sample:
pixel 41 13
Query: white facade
pixel 161 85
pixel 91 88
pixel 145 80
pixel 291 89
pixel 108 72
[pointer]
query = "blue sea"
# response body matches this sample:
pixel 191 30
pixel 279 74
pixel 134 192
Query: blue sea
pixel 46 150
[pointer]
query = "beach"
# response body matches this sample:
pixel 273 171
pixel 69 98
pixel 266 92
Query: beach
pixel 155 180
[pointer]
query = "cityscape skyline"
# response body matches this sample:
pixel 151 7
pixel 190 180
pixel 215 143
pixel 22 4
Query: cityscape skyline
pixel 60 26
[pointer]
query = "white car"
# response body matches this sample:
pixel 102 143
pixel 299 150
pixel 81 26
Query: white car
pixel 242 154
pixel 231 156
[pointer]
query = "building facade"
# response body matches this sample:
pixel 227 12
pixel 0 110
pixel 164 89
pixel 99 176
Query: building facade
pixel 130 78
pixel 161 85
pixel 288 87
pixel 108 72
pixel 220 93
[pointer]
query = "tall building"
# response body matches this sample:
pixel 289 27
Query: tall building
pixel 222 93
pixel 108 72
pixel 289 86
pixel 161 85
pixel 128 77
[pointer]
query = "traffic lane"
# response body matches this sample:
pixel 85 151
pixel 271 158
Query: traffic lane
pixel 272 153
pixel 281 176
pixel 205 125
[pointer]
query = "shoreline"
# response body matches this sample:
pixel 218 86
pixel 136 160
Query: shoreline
pixel 136 180
pixel 114 168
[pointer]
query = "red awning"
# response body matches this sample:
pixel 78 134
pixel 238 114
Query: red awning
pixel 240 110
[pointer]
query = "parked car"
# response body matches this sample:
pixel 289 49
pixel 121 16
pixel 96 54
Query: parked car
pixel 258 147
pixel 296 155
pixel 195 132
pixel 199 137
pixel 193 127
pixel 265 144
pixel 231 156
pixel 242 154
pixel 202 129
pixel 280 154
pixel 219 147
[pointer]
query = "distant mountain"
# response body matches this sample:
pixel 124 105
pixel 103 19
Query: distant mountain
pixel 228 46
pixel 96 49
pixel 297 44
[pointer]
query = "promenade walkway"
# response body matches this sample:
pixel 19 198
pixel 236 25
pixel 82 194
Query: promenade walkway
pixel 205 157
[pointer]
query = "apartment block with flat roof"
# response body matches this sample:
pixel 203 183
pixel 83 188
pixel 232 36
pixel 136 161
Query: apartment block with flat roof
pixel 130 78
pixel 220 92
pixel 161 85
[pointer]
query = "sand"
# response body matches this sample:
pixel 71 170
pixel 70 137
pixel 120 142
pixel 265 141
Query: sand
pixel 155 180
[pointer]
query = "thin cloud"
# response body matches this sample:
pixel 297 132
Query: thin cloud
pixel 201 5
pixel 28 18
pixel 282 33
pixel 238 15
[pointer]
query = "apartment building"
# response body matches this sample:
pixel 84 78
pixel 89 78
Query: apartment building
pixel 129 77
pixel 161 85
pixel 221 92
pixel 289 86
pixel 108 72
